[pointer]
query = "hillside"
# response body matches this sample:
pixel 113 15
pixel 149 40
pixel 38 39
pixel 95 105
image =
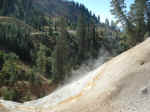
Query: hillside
pixel 36 39
pixel 109 89
pixel 26 9
pixel 52 51
pixel 19 23
pixel 70 9
pixel 17 76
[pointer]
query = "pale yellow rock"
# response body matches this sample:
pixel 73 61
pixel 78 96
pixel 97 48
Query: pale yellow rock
pixel 120 85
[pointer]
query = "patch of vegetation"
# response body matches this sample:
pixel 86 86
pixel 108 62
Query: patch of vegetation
pixel 11 73
pixel 38 50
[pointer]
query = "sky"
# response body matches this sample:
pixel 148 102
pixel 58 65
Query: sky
pixel 101 7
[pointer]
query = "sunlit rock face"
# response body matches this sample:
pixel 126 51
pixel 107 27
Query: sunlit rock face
pixel 120 85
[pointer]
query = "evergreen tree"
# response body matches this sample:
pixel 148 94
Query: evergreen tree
pixel 137 14
pixel 107 22
pixel 81 33
pixel 60 54
pixel 113 25
pixel 41 60
pixel 50 30
pixel 99 19
pixel 92 34
pixel 148 16
pixel 134 21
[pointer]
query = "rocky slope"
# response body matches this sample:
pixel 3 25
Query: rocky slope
pixel 120 85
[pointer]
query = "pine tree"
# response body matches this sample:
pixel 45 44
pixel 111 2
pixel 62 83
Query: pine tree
pixel 119 10
pixel 41 60
pixel 50 30
pixel 134 21
pixel 60 54
pixel 81 33
pixel 107 22
pixel 148 16
pixel 138 18
pixel 113 25
pixel 99 19
pixel 93 46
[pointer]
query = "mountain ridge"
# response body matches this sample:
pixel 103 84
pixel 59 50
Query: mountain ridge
pixel 23 9
pixel 67 8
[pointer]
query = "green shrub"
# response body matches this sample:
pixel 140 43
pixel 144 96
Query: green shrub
pixel 10 94
pixel 9 73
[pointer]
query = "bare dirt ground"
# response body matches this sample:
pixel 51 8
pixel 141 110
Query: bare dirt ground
pixel 120 85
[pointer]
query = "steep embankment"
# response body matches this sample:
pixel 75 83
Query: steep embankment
pixel 120 85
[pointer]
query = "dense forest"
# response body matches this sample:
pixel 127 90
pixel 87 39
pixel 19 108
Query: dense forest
pixel 39 47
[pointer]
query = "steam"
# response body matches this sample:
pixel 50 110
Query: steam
pixel 73 85
pixel 88 66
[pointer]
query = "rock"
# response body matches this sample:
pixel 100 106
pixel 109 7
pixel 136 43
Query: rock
pixel 144 90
